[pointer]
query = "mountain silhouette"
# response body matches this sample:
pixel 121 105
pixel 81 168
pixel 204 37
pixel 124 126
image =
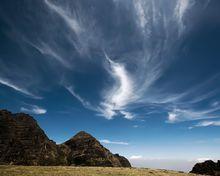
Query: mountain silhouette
pixel 208 167
pixel 23 142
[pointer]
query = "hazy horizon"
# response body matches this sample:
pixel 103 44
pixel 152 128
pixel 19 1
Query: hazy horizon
pixel 142 76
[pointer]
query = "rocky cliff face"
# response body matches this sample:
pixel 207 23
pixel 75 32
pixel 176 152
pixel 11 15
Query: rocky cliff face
pixel 207 168
pixel 87 151
pixel 23 142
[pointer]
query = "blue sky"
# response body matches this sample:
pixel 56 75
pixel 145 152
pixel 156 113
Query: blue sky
pixel 142 76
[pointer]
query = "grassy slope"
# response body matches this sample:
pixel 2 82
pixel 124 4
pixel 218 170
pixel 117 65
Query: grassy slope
pixel 83 171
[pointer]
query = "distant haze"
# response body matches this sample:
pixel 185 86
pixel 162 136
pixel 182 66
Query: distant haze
pixel 169 164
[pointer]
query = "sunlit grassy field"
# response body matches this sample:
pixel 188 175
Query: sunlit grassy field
pixel 83 171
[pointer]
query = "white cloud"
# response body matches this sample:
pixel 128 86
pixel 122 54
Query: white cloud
pixel 180 115
pixel 120 95
pixel 85 103
pixel 107 110
pixel 136 157
pixel 33 109
pixel 127 115
pixel 72 23
pixel 128 88
pixel 46 49
pixel 83 27
pixel 181 8
pixel 172 117
pixel 106 141
pixel 203 159
pixel 142 18
pixel 17 88
pixel 208 123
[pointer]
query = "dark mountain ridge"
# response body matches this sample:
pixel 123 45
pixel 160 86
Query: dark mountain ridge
pixel 208 167
pixel 23 142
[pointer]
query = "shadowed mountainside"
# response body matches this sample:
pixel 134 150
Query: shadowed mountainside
pixel 23 142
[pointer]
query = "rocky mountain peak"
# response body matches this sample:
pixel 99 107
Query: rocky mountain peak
pixel 82 135
pixel 23 142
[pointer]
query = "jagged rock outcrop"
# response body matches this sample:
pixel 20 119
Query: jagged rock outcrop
pixel 208 167
pixel 87 151
pixel 124 162
pixel 23 142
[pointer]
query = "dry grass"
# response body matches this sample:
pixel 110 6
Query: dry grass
pixel 83 171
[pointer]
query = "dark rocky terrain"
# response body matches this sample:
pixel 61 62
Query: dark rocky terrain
pixel 23 142
pixel 208 167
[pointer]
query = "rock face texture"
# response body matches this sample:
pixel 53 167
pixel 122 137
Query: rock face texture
pixel 23 142
pixel 87 151
pixel 208 167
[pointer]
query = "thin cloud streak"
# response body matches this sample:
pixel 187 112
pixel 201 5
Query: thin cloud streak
pixel 136 157
pixel 82 27
pixel 106 141
pixel 17 88
pixel 107 113
pixel 180 115
pixel 85 103
pixel 47 50
pixel 33 109
pixel 206 123
pixel 72 23
pixel 181 7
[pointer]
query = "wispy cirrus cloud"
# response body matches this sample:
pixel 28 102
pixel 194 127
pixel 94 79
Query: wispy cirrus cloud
pixel 120 94
pixel 83 28
pixel 181 7
pixel 139 5
pixel 130 86
pixel 106 141
pixel 18 88
pixel 116 98
pixel 85 103
pixel 127 115
pixel 180 115
pixel 33 109
pixel 133 87
pixel 206 123
pixel 49 50
pixel 70 21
